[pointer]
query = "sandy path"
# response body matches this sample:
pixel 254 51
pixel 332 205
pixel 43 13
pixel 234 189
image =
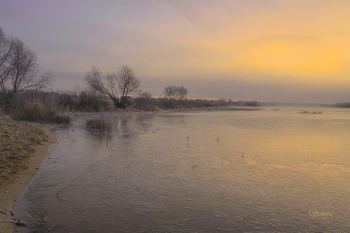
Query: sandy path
pixel 22 150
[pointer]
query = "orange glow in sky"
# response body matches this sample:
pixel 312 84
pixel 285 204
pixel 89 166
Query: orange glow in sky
pixel 254 43
pixel 303 41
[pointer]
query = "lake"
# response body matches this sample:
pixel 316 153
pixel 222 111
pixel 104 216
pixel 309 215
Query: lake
pixel 205 171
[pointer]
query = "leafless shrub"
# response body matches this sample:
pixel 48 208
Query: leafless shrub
pixel 145 102
pixel 99 125
pixel 22 103
pixel 33 112
pixel 61 119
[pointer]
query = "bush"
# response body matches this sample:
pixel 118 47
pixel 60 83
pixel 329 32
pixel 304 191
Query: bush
pixel 32 106
pixel 33 112
pixel 84 102
pixel 169 103
pixel 100 125
pixel 61 119
pixel 149 108
pixel 48 107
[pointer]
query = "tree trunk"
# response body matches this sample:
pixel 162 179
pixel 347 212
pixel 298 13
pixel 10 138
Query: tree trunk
pixel 117 103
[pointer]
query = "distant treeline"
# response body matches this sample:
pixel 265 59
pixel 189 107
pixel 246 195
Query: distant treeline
pixel 52 106
pixel 165 103
pixel 342 105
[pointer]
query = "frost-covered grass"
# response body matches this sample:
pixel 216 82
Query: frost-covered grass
pixel 99 125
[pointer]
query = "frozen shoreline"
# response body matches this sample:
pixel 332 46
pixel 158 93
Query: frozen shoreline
pixel 23 148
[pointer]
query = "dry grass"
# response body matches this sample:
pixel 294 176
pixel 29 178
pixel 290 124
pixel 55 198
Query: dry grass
pixel 33 106
pixel 34 112
pixel 17 142
pixel 99 125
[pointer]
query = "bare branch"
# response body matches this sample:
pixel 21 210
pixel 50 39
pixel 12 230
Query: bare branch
pixel 7 45
pixel 25 67
pixel 175 92
pixel 44 82
pixel 127 80
pixel 111 78
pixel 94 79
pixel 122 83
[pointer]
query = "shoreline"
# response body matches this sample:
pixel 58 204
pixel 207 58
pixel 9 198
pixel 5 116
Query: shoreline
pixel 19 171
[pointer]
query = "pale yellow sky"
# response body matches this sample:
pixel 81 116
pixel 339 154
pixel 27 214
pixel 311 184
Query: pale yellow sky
pixel 251 44
pixel 306 41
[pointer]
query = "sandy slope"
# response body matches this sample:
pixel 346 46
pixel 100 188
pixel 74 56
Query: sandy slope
pixel 22 149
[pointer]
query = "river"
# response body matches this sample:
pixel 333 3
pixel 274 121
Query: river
pixel 205 171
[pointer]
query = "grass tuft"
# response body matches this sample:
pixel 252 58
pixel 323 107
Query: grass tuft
pixel 99 125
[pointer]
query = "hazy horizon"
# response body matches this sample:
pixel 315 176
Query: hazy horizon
pixel 286 51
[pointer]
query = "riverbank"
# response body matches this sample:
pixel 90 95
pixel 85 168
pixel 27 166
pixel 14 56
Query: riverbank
pixel 22 149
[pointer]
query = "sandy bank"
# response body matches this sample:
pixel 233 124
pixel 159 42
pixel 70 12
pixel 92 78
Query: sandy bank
pixel 22 149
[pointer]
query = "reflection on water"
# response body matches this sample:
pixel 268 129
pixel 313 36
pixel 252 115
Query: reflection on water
pixel 185 172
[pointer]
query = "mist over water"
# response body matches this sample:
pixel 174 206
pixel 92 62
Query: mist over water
pixel 184 172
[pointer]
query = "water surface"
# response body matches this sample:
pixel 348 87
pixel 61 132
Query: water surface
pixel 184 172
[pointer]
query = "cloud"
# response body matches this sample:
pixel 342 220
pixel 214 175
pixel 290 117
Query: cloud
pixel 259 43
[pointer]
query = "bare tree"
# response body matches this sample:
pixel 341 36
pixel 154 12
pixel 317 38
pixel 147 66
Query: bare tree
pixel 6 64
pixel 182 93
pixel 169 92
pixel 127 83
pixel 95 79
pixel 117 86
pixel 25 67
pixel 175 92
pixel 19 67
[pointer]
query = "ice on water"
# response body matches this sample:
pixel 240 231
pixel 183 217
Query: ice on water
pixel 170 173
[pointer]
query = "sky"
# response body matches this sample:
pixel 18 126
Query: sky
pixel 264 50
